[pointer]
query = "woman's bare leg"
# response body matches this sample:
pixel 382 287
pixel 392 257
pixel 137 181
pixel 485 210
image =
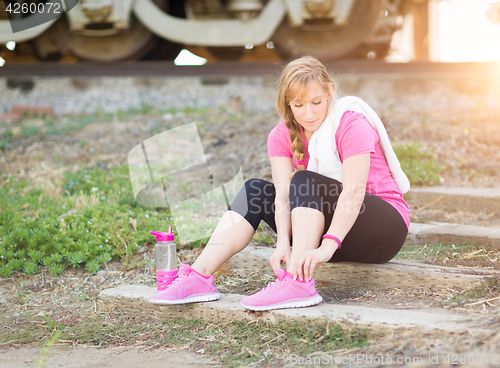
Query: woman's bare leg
pixel 307 228
pixel 232 235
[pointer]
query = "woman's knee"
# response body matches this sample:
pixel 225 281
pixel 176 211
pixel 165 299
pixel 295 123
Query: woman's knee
pixel 310 179
pixel 301 178
pixel 257 185
pixel 301 184
pixel 255 194
pixel 258 189
pixel 302 193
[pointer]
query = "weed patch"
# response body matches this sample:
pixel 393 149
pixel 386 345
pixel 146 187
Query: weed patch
pixel 264 236
pixel 418 163
pixel 95 221
pixel 489 289
pixel 460 255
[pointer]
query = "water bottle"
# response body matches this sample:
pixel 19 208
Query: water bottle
pixel 166 258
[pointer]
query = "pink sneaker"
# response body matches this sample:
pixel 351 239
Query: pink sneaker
pixel 285 292
pixel 189 287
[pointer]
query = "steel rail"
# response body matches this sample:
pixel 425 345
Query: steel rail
pixel 232 69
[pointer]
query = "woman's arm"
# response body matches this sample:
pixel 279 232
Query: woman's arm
pixel 354 178
pixel 281 169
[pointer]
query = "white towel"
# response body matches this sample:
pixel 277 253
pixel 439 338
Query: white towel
pixel 324 157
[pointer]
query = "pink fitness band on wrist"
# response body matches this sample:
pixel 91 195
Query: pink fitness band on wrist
pixel 328 236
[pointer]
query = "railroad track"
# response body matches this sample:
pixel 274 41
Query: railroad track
pixel 229 69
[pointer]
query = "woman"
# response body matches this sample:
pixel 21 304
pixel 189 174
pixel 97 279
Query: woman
pixel 348 205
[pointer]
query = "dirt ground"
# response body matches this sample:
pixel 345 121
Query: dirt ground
pixel 70 298
pixel 467 141
pixel 90 357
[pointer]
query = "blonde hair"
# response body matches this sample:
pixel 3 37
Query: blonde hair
pixel 294 82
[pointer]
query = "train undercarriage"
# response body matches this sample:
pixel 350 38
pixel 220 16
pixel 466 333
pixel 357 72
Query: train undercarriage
pixel 120 30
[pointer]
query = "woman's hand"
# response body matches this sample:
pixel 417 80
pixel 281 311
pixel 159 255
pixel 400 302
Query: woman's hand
pixel 281 254
pixel 308 260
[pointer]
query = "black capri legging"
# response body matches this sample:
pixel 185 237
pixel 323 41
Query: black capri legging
pixel 376 236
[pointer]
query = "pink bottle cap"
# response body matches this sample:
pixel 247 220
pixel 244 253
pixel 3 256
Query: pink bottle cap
pixel 162 236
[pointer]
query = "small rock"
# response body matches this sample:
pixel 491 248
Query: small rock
pixel 151 124
pixel 201 351
pixel 41 314
pixel 104 273
pixel 15 314
pixel 168 117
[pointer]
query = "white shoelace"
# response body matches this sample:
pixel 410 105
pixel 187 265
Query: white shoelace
pixel 177 280
pixel 272 285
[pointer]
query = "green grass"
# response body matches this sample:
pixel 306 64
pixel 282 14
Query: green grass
pixel 418 163
pixel 233 342
pixel 41 125
pixel 90 224
pixel 490 287
pixel 423 251
pixel 73 124
pixel 95 221
pixel 49 126
pixel 461 255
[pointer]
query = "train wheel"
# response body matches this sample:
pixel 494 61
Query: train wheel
pixel 325 42
pixel 132 44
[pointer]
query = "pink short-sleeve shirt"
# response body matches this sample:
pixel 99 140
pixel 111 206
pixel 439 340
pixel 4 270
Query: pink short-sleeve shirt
pixel 354 136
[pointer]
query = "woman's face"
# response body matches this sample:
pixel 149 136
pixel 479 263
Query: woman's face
pixel 311 112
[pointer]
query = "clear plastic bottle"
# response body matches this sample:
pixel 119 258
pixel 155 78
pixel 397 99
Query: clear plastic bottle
pixel 165 258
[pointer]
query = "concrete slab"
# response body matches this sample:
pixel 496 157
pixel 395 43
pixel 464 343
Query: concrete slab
pixel 134 299
pixel 400 274
pixel 452 199
pixel 442 232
